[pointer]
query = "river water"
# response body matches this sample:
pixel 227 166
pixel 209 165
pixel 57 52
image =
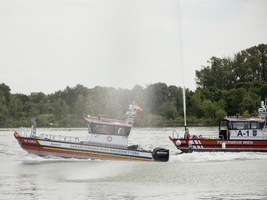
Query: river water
pixel 185 176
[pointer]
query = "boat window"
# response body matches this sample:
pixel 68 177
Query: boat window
pixel 255 125
pixel 223 125
pixel 109 129
pixel 237 125
pixel 101 129
pixel 230 126
pixel 247 125
pixel 261 125
pixel 123 131
pixel 241 125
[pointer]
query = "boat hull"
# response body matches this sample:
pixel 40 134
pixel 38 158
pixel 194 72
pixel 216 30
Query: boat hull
pixel 217 145
pixel 43 147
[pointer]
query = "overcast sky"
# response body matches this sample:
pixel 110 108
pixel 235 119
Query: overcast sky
pixel 47 45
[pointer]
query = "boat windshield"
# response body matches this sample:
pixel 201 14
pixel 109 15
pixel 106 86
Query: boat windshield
pixel 246 125
pixel 108 129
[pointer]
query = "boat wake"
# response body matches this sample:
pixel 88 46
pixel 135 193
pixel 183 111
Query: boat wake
pixel 35 159
pixel 216 157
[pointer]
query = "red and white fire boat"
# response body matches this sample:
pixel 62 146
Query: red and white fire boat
pixel 106 139
pixel 236 134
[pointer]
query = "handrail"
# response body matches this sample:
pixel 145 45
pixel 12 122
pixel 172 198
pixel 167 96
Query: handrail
pixel 59 138
pixel 177 134
pixel 24 132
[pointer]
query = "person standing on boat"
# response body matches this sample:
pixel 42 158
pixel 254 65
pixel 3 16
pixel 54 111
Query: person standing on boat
pixel 186 134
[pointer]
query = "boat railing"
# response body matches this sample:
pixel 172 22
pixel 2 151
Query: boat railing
pixel 23 131
pixel 59 138
pixel 175 134
pixel 208 137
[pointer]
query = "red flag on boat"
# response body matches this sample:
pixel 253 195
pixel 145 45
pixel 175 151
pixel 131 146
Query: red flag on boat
pixel 138 108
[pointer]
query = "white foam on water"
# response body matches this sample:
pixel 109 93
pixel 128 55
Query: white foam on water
pixel 96 171
pixel 32 158
pixel 77 170
pixel 217 156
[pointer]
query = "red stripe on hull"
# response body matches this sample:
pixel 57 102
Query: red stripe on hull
pixel 35 146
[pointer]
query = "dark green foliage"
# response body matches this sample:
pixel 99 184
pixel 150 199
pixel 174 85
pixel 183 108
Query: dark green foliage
pixel 246 66
pixel 5 92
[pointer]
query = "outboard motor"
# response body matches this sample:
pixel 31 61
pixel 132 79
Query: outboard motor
pixel 160 154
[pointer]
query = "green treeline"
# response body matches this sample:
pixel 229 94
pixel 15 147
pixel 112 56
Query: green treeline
pixel 227 86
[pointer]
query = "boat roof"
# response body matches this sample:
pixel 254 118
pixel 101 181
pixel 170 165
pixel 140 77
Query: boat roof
pixel 261 117
pixel 237 118
pixel 104 121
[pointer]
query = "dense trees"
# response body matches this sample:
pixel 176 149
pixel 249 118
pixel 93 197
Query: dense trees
pixel 204 106
pixel 224 73
pixel 228 86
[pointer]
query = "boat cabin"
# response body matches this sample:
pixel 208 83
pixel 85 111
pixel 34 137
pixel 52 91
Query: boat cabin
pixel 241 128
pixel 108 133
